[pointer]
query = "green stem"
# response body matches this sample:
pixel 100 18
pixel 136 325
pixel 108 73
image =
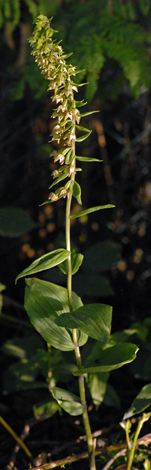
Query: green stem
pixel 144 418
pixel 89 438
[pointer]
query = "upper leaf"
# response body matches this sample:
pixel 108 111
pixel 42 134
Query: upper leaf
pixel 45 262
pixel 76 190
pixel 91 209
pixel 88 159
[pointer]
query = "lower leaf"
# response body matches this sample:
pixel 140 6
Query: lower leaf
pixel 68 401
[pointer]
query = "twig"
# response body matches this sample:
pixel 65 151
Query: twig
pixel 121 448
pixel 116 456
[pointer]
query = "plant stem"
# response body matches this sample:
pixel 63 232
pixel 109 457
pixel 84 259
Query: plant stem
pixel 14 435
pixel 144 418
pixel 90 443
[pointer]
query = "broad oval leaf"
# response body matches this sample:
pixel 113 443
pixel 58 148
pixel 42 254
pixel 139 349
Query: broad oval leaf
pixel 14 222
pixel 140 403
pixel 44 302
pixel 110 359
pixel 68 401
pixel 94 320
pixel 90 210
pixel 47 261
pixel 42 309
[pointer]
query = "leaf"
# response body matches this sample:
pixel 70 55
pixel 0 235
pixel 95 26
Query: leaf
pixel 83 137
pixel 97 384
pixel 24 347
pixel 88 159
pixel 111 398
pixel 47 261
pixel 2 287
pixel 69 156
pixel 48 408
pixel 76 261
pixel 90 210
pixel 93 319
pixel 14 222
pixel 83 129
pixel 110 359
pixel 92 285
pixel 23 374
pixel 60 178
pixel 44 302
pixel 68 401
pixel 140 403
pixel 101 257
pixel 80 103
pixel 89 112
pixel 76 189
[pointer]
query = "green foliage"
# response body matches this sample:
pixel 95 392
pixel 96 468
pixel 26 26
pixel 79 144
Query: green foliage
pixel 14 222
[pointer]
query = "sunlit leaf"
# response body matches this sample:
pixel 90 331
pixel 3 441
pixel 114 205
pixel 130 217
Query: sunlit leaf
pixel 88 113
pixel 93 319
pixel 90 210
pixel 68 401
pixel 44 302
pixel 80 103
pixel 69 156
pixel 88 159
pixel 76 261
pixel 110 359
pixel 60 178
pixel 47 261
pixel 76 189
